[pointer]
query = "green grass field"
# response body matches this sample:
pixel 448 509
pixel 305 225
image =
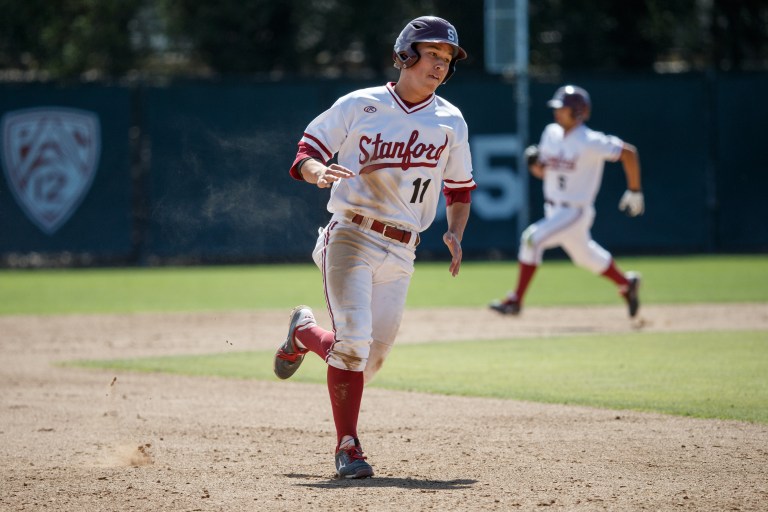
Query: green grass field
pixel 708 375
pixel 667 280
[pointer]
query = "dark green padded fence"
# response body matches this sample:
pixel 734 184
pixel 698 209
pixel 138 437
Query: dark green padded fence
pixel 198 172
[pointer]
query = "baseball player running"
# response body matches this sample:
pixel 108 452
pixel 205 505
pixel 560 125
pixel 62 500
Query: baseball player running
pixel 570 159
pixel 398 147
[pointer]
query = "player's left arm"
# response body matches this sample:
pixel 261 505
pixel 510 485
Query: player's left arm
pixel 632 202
pixel 532 158
pixel 631 163
pixel 457 213
pixel 458 185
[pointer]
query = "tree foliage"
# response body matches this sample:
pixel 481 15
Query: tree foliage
pixel 310 38
pixel 67 39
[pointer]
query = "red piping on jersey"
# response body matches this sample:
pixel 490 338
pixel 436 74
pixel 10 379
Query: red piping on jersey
pixel 320 145
pixel 326 240
pixel 404 105
pixel 306 150
pixel 453 183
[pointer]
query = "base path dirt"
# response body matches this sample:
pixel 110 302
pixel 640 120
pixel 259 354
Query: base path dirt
pixel 77 439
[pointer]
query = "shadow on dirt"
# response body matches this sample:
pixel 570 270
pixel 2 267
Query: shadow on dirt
pixel 378 481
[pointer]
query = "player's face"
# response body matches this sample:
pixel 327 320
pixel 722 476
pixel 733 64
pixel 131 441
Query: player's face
pixel 564 117
pixel 433 63
pixel 419 81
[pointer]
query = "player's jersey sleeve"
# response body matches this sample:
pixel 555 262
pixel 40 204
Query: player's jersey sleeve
pixel 328 131
pixel 551 133
pixel 457 176
pixel 607 147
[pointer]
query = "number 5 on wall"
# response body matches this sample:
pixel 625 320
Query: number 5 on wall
pixel 501 186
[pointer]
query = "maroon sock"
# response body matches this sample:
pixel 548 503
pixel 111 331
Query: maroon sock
pixel 615 275
pixel 316 339
pixel 346 390
pixel 525 275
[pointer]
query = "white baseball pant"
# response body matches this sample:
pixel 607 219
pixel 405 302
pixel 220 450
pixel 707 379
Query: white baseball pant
pixel 567 227
pixel 365 278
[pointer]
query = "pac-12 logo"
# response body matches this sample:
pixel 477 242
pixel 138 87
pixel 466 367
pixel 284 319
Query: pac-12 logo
pixel 50 156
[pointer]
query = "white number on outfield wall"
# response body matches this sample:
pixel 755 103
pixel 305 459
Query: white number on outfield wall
pixel 500 190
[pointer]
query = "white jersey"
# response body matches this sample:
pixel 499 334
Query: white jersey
pixel 400 154
pixel 574 162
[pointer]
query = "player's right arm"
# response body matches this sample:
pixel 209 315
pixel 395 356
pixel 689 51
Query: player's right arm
pixel 309 166
pixel 537 170
pixel 536 166
pixel 316 172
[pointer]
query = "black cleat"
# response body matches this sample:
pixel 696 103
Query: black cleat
pixel 631 294
pixel 508 306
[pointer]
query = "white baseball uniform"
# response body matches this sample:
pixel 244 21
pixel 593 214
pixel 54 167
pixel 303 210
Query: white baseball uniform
pixel 401 153
pixel 574 165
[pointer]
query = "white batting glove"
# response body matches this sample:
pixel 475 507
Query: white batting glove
pixel 632 203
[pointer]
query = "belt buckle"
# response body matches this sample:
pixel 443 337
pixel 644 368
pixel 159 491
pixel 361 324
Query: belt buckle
pixel 384 232
pixel 402 234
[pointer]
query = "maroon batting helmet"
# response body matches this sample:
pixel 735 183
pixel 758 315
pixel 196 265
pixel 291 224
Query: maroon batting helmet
pixel 426 29
pixel 574 97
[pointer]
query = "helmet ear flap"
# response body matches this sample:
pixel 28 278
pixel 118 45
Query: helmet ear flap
pixel 405 58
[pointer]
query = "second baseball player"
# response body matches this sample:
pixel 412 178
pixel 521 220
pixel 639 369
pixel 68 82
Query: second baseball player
pixel 570 159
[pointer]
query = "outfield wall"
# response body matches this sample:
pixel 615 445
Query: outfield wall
pixel 197 172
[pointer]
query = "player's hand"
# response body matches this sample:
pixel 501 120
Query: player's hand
pixel 452 241
pixel 531 154
pixel 535 166
pixel 332 174
pixel 632 203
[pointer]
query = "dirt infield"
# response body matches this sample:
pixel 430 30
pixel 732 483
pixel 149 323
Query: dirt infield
pixel 74 439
